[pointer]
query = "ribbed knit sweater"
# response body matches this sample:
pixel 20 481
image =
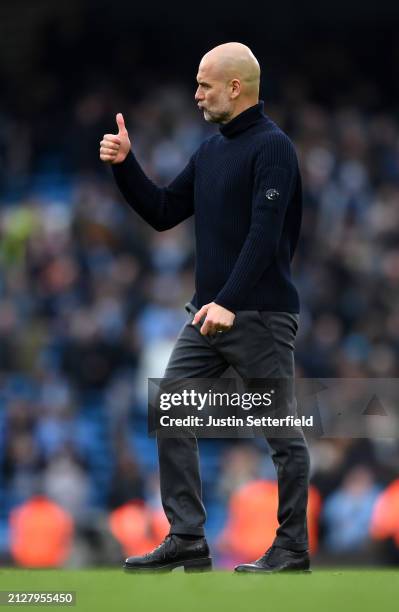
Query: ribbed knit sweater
pixel 244 188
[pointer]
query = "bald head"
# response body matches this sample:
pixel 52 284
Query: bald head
pixel 228 82
pixel 234 61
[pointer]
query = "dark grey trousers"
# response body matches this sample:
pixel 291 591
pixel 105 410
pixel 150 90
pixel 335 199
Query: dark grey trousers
pixel 259 345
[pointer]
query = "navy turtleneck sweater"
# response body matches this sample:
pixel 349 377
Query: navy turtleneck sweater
pixel 244 188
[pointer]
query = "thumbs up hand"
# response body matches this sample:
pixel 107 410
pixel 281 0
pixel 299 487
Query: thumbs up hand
pixel 115 147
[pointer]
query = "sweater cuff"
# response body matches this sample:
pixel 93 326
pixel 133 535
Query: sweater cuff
pixel 122 166
pixel 224 305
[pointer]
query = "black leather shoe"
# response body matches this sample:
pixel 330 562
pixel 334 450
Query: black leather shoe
pixel 278 559
pixel 173 552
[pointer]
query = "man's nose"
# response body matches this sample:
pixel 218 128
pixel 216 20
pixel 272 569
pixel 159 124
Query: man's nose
pixel 198 95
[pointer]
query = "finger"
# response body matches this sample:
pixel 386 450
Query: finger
pixel 112 138
pixel 107 157
pixel 198 316
pixel 110 145
pixel 107 151
pixel 120 123
pixel 206 328
pixel 225 326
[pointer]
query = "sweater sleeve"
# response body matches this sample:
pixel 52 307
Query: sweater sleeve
pixel 161 207
pixel 274 182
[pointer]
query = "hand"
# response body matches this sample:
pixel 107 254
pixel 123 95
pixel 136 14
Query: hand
pixel 115 147
pixel 217 319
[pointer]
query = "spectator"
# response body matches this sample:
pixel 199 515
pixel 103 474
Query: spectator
pixel 347 512
pixel 40 533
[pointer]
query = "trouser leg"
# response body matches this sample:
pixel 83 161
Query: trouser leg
pixel 290 455
pixel 192 357
pixel 291 460
pixel 263 347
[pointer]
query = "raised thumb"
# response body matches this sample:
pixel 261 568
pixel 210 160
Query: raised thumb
pixel 121 123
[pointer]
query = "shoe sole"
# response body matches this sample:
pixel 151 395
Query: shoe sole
pixel 189 565
pixel 281 571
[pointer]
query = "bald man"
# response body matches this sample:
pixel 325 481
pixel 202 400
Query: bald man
pixel 244 188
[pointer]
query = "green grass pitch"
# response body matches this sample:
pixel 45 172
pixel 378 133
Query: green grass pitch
pixel 114 591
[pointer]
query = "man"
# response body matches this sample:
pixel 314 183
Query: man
pixel 244 187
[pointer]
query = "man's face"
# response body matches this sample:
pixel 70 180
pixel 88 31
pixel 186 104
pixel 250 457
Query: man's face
pixel 213 95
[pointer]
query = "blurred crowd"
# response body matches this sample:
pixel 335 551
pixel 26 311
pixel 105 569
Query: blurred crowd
pixel 91 302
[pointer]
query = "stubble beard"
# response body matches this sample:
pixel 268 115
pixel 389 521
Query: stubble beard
pixel 221 117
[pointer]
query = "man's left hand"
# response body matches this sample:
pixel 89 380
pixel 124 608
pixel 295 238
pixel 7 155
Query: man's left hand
pixel 218 319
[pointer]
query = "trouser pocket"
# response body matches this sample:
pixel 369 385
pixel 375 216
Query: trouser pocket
pixel 282 325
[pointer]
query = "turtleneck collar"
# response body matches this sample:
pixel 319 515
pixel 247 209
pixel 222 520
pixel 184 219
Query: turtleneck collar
pixel 243 121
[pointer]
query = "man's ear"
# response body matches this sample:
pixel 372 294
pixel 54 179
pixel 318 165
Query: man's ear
pixel 235 88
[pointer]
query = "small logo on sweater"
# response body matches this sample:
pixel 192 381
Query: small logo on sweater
pixel 272 194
